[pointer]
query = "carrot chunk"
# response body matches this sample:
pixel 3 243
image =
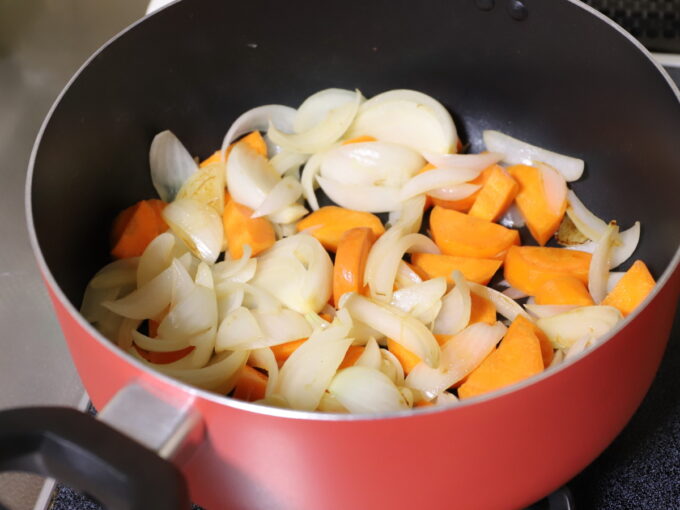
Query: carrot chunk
pixel 464 204
pixel 482 310
pixel 329 223
pixel 518 356
pixel 351 356
pixel 462 235
pixel 240 229
pixel 251 385
pixel 632 289
pixel 135 227
pixel 253 140
pixel 407 359
pixel 360 139
pixel 563 290
pixel 283 351
pixel 495 196
pixel 475 270
pixel 531 200
pixel 350 262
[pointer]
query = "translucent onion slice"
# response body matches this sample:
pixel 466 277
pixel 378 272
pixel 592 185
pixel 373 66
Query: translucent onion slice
pixel 371 163
pixel 366 390
pixel 258 119
pixel 250 177
pixel 392 368
pixel 229 267
pixel 409 118
pixel 585 221
pixel 239 331
pixel 371 357
pixel 206 185
pixel 410 217
pixel 158 344
pixel 227 303
pixel 586 321
pixel 445 399
pixel 557 358
pixel 456 192
pixel 514 293
pixel 283 194
pixel 285 162
pixel 306 374
pixel 513 218
pixel 109 324
pixel 361 198
pixel 193 314
pixel 198 226
pixel 420 299
pixel 406 277
pixel 204 276
pixel 219 376
pixel 614 278
pixel 622 248
pixel 149 300
pixel 541 311
pixel 454 315
pixel 395 324
pixel 286 217
pixel 578 347
pixel 506 306
pixel 282 326
pixel 125 331
pixel 119 273
pixel 329 404
pixel 316 107
pixel 264 359
pixel 469 161
pixel 460 356
pixel 184 283
pixel 439 178
pixel 323 134
pixel 171 165
pixel 308 179
pixel 598 271
pixel 555 187
pixel 516 151
pixel 157 256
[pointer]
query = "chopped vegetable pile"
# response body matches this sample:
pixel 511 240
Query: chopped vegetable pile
pixel 238 282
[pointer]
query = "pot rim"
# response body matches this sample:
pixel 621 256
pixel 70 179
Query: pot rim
pixel 316 415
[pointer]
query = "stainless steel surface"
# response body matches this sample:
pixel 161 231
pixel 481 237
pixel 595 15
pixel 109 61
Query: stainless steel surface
pixel 171 428
pixel 42 43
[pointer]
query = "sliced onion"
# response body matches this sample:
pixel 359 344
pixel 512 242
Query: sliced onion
pixel 469 161
pixel 586 321
pixel 461 354
pixel 395 324
pixel 410 216
pixel 555 188
pixel 420 299
pixel 366 390
pixel 578 347
pixel 171 165
pixel 282 326
pixel 158 344
pixel 147 301
pixel 613 279
pixel 445 399
pixel 625 245
pixel 514 293
pixel 455 192
pixel 585 221
pixel 119 273
pixel 283 194
pixel 204 276
pixel 206 185
pixel 228 267
pixel 239 331
pixel 440 178
pixel 558 358
pixel 329 404
pixel 361 198
pixel 516 151
pixel 184 283
pixel 308 179
pixel 598 271
pixel 228 302
pixel 316 107
pixel 198 226
pixel 371 164
pixel 258 119
pixel 409 118
pixel 406 277
pixel 392 368
pixel 285 162
pixel 541 311
pixel 156 258
pixel 454 315
pixel 194 314
pixel 264 358
pixel 323 134
pixel 219 376
pixel 250 177
pixel 125 332
pixel 370 357
pixel 284 230
pixel 504 305
pixel 306 374
pixel 287 217
pixel 513 218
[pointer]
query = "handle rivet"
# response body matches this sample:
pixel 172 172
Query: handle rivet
pixel 518 11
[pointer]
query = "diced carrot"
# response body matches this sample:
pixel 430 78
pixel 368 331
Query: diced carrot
pixel 563 290
pixel 251 385
pixel 253 140
pixel 329 223
pixel 518 357
pixel 529 267
pixel 532 201
pixel 631 289
pixel 495 196
pixel 136 227
pixel 163 358
pixel 423 403
pixel 482 310
pixel 473 269
pixel 350 262
pixel 442 339
pixel 407 359
pixel 283 351
pixel 240 229
pixel 351 356
pixel 326 317
pixel 360 139
pixel 458 234
pixel 464 204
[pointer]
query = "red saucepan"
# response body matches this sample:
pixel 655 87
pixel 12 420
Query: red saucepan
pixel 554 73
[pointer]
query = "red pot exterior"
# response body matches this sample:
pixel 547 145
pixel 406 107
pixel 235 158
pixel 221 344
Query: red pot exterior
pixel 504 452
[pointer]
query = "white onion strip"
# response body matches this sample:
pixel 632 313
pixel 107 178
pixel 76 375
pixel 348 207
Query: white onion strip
pixel 554 187
pixel 264 358
pixel 457 192
pixel 366 390
pixel 285 193
pixel 438 178
pixel 585 221
pixel 285 161
pixel 541 311
pixel 361 198
pixel 506 306
pixel 118 273
pixel 170 163
pixel 259 119
pixel 469 161
pixel 308 179
pixel 598 272
pixel 156 258
pixel 454 315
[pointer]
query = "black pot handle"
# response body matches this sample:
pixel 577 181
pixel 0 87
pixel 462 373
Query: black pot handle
pixel 90 456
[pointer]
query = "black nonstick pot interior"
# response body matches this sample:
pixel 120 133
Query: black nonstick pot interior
pixel 560 78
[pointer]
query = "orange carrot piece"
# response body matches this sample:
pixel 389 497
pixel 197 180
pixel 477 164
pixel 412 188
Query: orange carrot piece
pixel 465 236
pixel 283 351
pixel 531 200
pixel 423 403
pixel 563 290
pixel 495 196
pixel 632 289
pixel 442 339
pixel 464 204
pixel 350 262
pixel 251 385
pixel 136 227
pixel 351 356
pixel 518 357
pixel 163 358
pixel 240 229
pixel 475 270
pixel 152 325
pixel 528 267
pixel 253 140
pixel 407 359
pixel 482 310
pixel 360 139
pixel 329 223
